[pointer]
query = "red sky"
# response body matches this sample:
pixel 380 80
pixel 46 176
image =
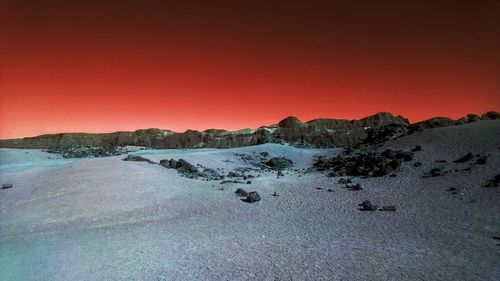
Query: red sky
pixel 89 66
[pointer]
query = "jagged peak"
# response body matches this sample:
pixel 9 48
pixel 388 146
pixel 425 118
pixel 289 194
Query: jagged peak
pixel 290 122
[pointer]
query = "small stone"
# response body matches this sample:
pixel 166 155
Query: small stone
pixel 390 208
pixel 7 185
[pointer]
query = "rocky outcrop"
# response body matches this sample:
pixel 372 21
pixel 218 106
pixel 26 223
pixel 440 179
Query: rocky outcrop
pixel 364 163
pixel 315 133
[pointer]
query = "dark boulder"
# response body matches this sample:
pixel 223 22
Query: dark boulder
pixel 7 185
pixel 170 164
pixel 187 169
pixel 241 192
pixel 252 197
pixel 131 157
pixel 278 163
pixel 494 182
pixel 367 206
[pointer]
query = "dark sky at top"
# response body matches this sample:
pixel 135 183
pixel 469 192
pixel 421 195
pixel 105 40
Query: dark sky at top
pixel 122 65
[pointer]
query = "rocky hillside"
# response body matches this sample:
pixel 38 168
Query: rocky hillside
pixel 315 133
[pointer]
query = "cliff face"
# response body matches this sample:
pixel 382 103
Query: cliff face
pixel 315 133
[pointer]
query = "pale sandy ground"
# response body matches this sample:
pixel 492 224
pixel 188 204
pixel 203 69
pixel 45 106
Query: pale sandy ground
pixel 108 219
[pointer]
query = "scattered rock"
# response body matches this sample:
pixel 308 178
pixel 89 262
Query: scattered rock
pixel 275 194
pixel 464 158
pixel 252 197
pixel 417 148
pixel 417 164
pixel 264 154
pixel 249 182
pixel 329 190
pixel 389 208
pixel 451 189
pixel 7 185
pixel 441 161
pixel 280 173
pixel 367 206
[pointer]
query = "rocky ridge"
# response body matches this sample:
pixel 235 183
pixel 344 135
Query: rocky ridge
pixel 315 133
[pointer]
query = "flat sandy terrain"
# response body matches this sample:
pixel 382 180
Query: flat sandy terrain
pixel 109 219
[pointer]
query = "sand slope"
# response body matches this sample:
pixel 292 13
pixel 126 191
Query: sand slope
pixel 108 219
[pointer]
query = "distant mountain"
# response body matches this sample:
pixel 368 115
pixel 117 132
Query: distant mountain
pixel 315 133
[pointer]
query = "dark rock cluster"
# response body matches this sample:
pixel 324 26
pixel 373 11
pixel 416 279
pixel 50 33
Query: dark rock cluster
pixel 189 170
pixel 79 151
pixel 364 163
pixel 279 163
